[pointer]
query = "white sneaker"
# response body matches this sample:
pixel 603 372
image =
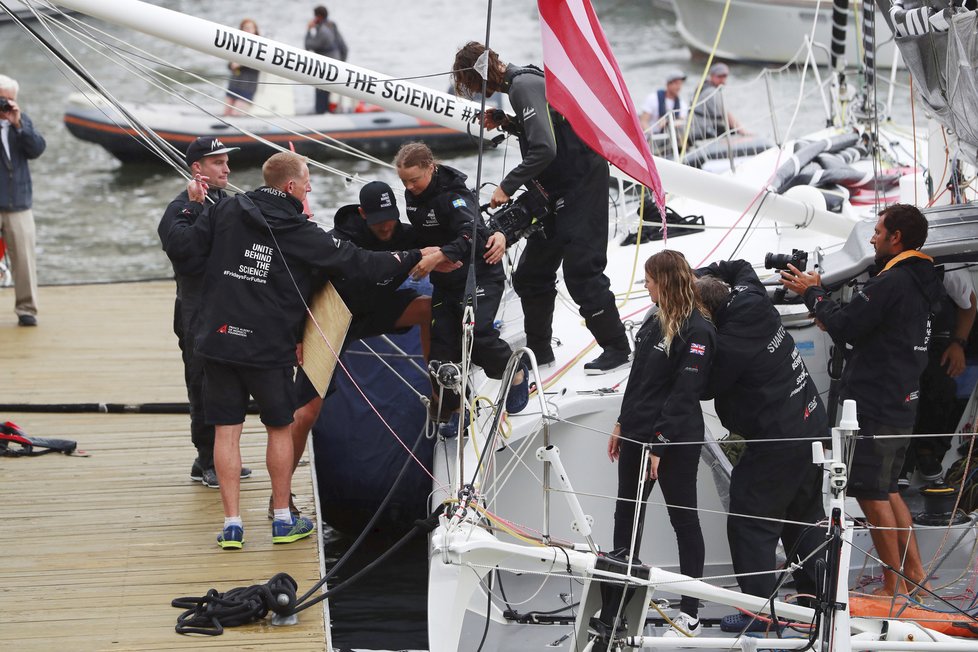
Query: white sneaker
pixel 684 625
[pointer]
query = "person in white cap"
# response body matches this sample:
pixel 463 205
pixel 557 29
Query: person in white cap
pixel 665 101
pixel 710 115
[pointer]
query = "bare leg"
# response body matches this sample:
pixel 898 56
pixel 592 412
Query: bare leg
pixel 302 422
pixel 881 514
pixel 912 565
pixel 227 464
pixel 278 459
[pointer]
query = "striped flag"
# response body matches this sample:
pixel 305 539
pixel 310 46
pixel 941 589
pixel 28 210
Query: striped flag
pixel 585 85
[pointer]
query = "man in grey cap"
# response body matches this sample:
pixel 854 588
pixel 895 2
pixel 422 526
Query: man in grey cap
pixel 663 102
pixel 710 116
pixel 207 159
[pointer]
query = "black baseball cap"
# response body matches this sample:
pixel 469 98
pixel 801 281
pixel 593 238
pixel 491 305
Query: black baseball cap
pixel 378 203
pixel 206 146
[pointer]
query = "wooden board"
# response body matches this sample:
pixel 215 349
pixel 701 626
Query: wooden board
pixel 330 316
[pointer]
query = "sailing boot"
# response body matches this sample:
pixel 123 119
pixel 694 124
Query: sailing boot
pixel 608 330
pixel 538 314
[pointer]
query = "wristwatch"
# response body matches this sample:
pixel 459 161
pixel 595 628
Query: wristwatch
pixel 960 341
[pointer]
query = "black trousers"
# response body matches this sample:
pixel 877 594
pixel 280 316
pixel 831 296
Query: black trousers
pixel 677 477
pixel 577 237
pixel 777 483
pixel 201 434
pixel 489 350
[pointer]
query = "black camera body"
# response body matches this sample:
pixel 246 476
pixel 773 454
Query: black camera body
pixel 798 258
pixel 523 216
pixel 4 105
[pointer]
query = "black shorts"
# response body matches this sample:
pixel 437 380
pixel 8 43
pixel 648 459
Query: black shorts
pixel 379 320
pixel 227 388
pixel 876 463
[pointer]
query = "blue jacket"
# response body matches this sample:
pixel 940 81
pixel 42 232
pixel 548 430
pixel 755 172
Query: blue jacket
pixel 16 193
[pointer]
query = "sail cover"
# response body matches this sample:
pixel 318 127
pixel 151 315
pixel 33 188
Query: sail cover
pixel 940 48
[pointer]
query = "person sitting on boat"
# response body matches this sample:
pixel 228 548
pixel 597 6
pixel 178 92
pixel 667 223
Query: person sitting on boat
pixel 576 180
pixel 244 80
pixel 710 117
pixel 887 324
pixel 373 224
pixel 208 158
pixel 442 211
pixel 323 37
pixel 763 392
pixel 660 428
pixel 665 103
pixel 261 255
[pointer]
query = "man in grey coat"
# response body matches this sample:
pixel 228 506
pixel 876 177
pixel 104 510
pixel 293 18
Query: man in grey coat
pixel 323 37
pixel 20 143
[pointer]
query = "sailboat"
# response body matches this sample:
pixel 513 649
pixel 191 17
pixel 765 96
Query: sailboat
pixel 515 557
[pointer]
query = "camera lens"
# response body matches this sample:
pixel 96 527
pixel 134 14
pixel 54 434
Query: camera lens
pixel 776 261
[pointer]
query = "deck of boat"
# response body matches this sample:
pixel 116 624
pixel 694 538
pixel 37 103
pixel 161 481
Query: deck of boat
pixel 95 548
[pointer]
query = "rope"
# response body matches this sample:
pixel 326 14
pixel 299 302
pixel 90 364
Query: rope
pixel 211 613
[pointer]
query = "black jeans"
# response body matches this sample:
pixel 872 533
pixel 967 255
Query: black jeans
pixel 776 483
pixel 201 434
pixel 677 477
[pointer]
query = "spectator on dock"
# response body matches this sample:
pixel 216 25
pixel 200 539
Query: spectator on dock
pixel 20 144
pixel 323 37
pixel 208 158
pixel 244 80
pixel 262 253
pixel 887 324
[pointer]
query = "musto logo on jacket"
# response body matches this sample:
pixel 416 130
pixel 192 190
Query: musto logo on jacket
pixel 228 329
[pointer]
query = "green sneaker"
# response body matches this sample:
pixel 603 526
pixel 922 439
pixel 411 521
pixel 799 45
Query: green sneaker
pixel 285 532
pixel 231 538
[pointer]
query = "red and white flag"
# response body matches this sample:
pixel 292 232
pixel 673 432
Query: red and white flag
pixel 585 85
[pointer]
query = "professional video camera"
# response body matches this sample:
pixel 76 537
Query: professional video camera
pixel 521 217
pixel 798 258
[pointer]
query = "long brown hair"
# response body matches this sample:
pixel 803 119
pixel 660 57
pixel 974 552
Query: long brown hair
pixel 468 81
pixel 678 295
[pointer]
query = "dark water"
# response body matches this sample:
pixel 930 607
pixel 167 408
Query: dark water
pixel 97 218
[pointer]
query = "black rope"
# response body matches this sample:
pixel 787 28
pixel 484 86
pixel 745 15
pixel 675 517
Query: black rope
pixel 211 613
pixel 106 408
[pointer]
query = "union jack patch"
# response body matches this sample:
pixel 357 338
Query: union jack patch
pixel 458 203
pixel 698 349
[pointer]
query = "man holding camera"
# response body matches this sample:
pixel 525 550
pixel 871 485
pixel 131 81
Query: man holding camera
pixel 20 143
pixel 576 180
pixel 887 324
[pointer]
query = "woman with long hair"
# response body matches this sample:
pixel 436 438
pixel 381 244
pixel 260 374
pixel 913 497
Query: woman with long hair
pixel 660 427
pixel 244 80
pixel 442 210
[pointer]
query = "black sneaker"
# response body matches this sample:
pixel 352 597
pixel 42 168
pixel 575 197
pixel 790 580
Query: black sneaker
pixel 609 360
pixel 26 320
pixel 208 477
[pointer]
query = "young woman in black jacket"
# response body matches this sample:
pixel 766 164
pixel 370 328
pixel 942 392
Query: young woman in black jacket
pixel 661 419
pixel 442 210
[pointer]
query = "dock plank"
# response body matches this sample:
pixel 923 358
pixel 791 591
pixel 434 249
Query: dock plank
pixel 95 548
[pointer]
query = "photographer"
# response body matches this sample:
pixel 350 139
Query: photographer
pixel 576 180
pixel 20 144
pixel 763 392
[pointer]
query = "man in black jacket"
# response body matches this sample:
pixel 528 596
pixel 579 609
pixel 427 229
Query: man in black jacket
pixel 208 158
pixel 576 181
pixel 887 324
pixel 762 391
pixel 373 224
pixel 261 255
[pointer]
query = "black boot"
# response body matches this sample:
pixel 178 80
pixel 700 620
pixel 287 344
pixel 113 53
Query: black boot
pixel 608 330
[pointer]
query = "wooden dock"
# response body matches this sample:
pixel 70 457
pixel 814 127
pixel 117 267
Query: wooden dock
pixel 95 548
